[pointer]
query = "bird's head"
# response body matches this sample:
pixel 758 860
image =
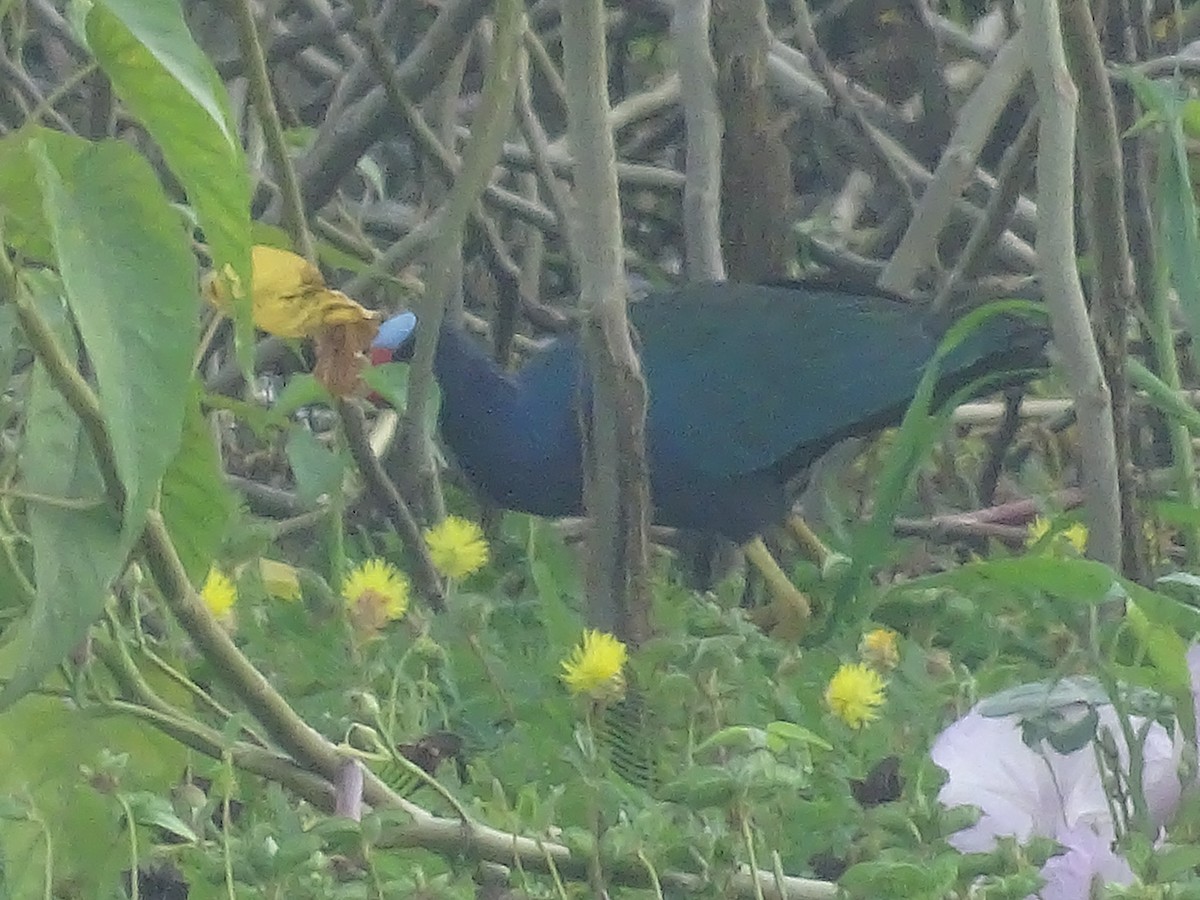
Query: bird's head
pixel 394 342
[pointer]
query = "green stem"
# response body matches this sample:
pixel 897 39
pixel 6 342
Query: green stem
pixel 1163 341
pixel 268 116
pixel 75 390
pixel 135 889
pixel 1163 397
pixel 655 884
pixel 226 844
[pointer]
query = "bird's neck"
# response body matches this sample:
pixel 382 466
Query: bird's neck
pixel 470 380
pixel 465 371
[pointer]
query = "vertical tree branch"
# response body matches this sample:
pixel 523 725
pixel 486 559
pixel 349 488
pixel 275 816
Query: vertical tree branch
pixel 1060 279
pixel 1100 165
pixel 756 180
pixel 615 459
pixel 702 117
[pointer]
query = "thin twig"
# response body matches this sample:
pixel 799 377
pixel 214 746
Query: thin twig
pixel 918 248
pixel 268 114
pixel 1103 182
pixel 1016 165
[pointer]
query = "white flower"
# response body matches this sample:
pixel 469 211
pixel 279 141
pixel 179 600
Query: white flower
pixel 1025 791
pixel 1088 857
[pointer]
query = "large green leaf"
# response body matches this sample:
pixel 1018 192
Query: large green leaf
pixel 168 83
pixel 130 280
pixel 77 542
pixel 196 504
pixel 25 226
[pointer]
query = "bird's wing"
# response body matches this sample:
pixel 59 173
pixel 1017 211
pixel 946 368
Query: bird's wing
pixel 743 376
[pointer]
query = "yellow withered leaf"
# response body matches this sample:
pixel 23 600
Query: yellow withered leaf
pixel 281 580
pixel 290 297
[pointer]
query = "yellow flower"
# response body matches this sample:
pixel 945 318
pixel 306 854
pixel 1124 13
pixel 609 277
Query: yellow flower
pixel 1074 535
pixel 376 592
pixel 1077 536
pixel 594 667
pixel 878 648
pixel 457 547
pixel 219 594
pixel 1038 529
pixel 855 693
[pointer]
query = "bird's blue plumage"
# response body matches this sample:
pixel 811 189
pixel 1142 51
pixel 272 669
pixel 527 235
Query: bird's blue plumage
pixel 515 435
pixel 748 385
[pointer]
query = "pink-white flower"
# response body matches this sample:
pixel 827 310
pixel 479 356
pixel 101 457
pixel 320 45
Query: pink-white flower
pixel 1024 791
pixel 1087 857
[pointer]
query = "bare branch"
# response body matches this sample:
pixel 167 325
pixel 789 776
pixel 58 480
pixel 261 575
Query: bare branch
pixel 918 248
pixel 1060 279
pixel 702 189
pixel 615 479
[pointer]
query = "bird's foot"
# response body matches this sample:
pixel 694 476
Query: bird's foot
pixel 788 613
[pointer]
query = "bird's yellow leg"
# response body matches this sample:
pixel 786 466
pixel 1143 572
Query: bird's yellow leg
pixel 830 562
pixel 789 610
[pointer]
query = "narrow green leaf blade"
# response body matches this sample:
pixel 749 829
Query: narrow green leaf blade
pixel 1181 237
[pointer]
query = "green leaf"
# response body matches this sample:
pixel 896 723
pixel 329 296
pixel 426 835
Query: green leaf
pixel 152 809
pixel 43 743
pixel 894 877
pixel 740 737
pixel 1182 617
pixel 554 573
pixel 168 83
pixel 302 390
pixel 781 735
pixel 1190 117
pixel 1174 512
pixel 1037 697
pixel 1175 862
pixel 196 504
pixel 130 280
pixel 1180 235
pixel 702 786
pixel 318 469
pixel 77 551
pixel 25 226
pixel 389 381
pixel 1076 579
